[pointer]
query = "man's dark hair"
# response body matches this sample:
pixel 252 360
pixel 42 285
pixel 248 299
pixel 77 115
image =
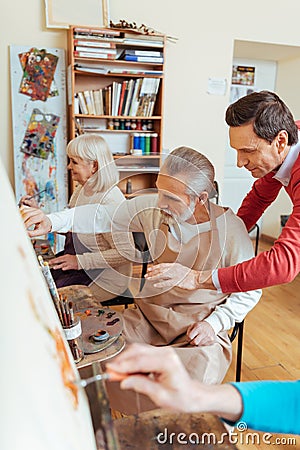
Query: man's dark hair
pixel 268 114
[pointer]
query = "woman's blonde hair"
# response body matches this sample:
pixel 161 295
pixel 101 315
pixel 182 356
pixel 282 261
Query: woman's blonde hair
pixel 92 147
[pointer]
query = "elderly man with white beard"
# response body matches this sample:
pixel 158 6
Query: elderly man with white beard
pixel 181 225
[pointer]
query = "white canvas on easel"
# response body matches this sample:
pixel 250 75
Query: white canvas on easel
pixel 41 407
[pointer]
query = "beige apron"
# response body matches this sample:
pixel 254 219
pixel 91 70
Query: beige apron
pixel 162 318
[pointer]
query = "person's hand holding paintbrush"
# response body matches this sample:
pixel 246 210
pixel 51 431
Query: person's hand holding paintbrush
pixel 30 200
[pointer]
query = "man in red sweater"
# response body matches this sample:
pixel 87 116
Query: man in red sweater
pixel 263 132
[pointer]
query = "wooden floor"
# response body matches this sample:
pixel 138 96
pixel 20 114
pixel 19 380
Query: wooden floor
pixel 271 350
pixel 271 344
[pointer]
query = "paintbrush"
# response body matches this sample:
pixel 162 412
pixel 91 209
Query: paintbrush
pixel 109 375
pixel 32 196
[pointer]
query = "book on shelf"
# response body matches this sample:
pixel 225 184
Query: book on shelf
pixel 82 103
pixel 103 38
pixel 91 67
pixel 136 72
pixel 135 97
pixel 144 40
pixel 150 86
pixel 94 43
pixel 98 101
pixel 144 59
pixel 110 51
pixel 92 70
pixel 125 97
pixel 107 100
pixel 128 97
pixel 151 53
pixel 96 31
pixel 141 43
pixel 143 37
pixel 89 100
pixel 116 92
pixel 124 84
pixel 76 104
pixel 98 55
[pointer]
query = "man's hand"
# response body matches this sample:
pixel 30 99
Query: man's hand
pixel 201 333
pixel 168 275
pixel 36 217
pixel 65 262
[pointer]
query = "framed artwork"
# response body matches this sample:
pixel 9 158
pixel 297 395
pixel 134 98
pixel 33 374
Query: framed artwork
pixel 38 87
pixel 62 14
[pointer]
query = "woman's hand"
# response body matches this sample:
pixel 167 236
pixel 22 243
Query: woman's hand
pixel 28 200
pixel 65 262
pixel 168 386
pixel 37 218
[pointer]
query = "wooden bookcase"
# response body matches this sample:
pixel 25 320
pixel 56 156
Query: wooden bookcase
pixel 116 89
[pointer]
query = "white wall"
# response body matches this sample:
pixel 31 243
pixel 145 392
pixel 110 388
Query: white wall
pixel 206 32
pixel 265 78
pixel 288 86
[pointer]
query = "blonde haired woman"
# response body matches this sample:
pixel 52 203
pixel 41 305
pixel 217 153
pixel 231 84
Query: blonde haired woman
pixel 90 259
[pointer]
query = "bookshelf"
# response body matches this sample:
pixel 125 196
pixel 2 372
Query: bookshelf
pixel 116 85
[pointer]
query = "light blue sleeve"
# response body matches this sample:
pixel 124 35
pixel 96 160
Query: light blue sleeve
pixel 272 406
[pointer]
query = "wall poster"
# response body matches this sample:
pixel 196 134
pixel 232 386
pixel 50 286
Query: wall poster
pixel 38 86
pixel 242 81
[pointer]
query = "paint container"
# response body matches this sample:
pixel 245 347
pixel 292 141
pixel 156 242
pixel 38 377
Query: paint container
pixel 73 335
pixel 100 336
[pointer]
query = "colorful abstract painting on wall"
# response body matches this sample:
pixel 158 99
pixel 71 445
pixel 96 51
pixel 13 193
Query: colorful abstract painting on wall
pixel 38 68
pixel 39 136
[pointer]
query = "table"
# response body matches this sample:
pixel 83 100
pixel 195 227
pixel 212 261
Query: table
pixel 162 429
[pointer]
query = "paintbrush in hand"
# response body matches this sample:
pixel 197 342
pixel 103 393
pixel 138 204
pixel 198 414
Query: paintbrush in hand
pixel 109 375
pixel 29 198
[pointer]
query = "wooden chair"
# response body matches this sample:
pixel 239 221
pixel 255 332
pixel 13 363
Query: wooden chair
pixel 127 297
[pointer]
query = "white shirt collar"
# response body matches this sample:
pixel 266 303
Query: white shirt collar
pixel 283 174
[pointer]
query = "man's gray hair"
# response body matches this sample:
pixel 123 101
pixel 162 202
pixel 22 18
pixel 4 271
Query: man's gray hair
pixel 192 168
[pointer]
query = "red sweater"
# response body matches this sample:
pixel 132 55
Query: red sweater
pixel 281 263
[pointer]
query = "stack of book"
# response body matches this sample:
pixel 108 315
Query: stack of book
pixel 134 97
pixel 89 43
pixel 149 40
pixel 143 56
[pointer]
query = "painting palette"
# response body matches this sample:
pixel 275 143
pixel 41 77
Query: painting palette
pixel 97 322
